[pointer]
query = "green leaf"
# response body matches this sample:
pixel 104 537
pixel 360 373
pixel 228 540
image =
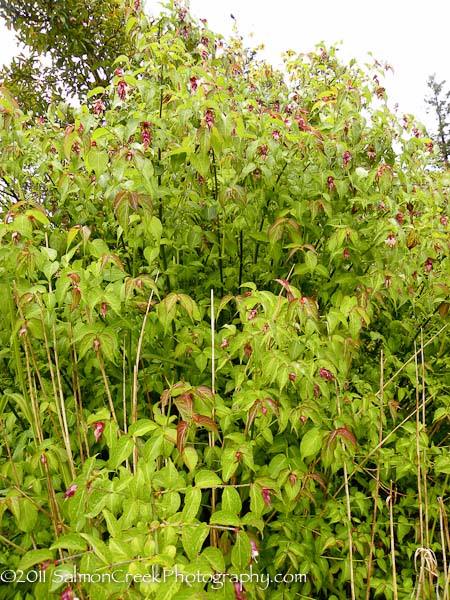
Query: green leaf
pixel 192 501
pixel 201 163
pixel 96 91
pixel 207 479
pixel 442 465
pixel 223 517
pixel 242 552
pixel 257 504
pixel 192 538
pixel 99 133
pixel 311 443
pixel 190 457
pixel 40 216
pixel 99 547
pixel 168 590
pixel 231 500
pixel 215 558
pixel 97 160
pixel 33 557
pixel 229 463
pixel 120 452
pixel 72 542
pixel 142 427
pixel 112 523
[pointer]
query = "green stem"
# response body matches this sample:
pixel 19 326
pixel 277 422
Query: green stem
pixel 219 233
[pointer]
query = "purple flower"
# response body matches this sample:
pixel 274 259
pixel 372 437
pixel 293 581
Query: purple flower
pixel 253 314
pixel 428 264
pixel 99 426
pixel 70 492
pixel 346 158
pixel 209 118
pixel 266 496
pixel 193 82
pixel 326 374
pixel 122 89
pixel 331 184
pixel 255 552
pixel 391 240
pixel 262 150
pixel 238 591
pixel 67 594
pixel 371 153
pixel 146 134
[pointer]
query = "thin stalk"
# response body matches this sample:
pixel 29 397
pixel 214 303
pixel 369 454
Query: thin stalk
pixel 55 515
pixel 411 358
pixel 213 356
pixel 106 384
pixel 374 450
pixel 40 379
pixel 63 405
pixel 60 409
pixel 349 508
pixel 423 462
pixel 37 429
pixel 8 452
pixel 397 427
pixel 241 256
pixel 77 390
pixel 391 528
pixel 443 522
pixel 213 533
pixel 419 471
pixel 12 544
pixel 25 495
pixel 160 207
pixel 15 345
pixel 377 484
pixel 124 387
pixel 134 401
pixel 219 233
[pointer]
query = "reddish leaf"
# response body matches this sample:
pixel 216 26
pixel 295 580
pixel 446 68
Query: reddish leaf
pixel 273 404
pixel 165 398
pixel 317 478
pixel 205 422
pixel 342 432
pixel 204 392
pixel 182 431
pixel 184 405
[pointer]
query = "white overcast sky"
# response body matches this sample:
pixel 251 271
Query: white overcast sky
pixel 411 35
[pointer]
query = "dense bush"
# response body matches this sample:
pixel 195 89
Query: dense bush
pixel 223 346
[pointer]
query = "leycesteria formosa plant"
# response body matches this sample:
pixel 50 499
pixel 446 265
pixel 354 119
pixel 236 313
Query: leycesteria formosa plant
pixel 224 299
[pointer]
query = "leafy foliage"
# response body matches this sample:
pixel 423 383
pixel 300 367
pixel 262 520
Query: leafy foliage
pixel 151 427
pixel 68 45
